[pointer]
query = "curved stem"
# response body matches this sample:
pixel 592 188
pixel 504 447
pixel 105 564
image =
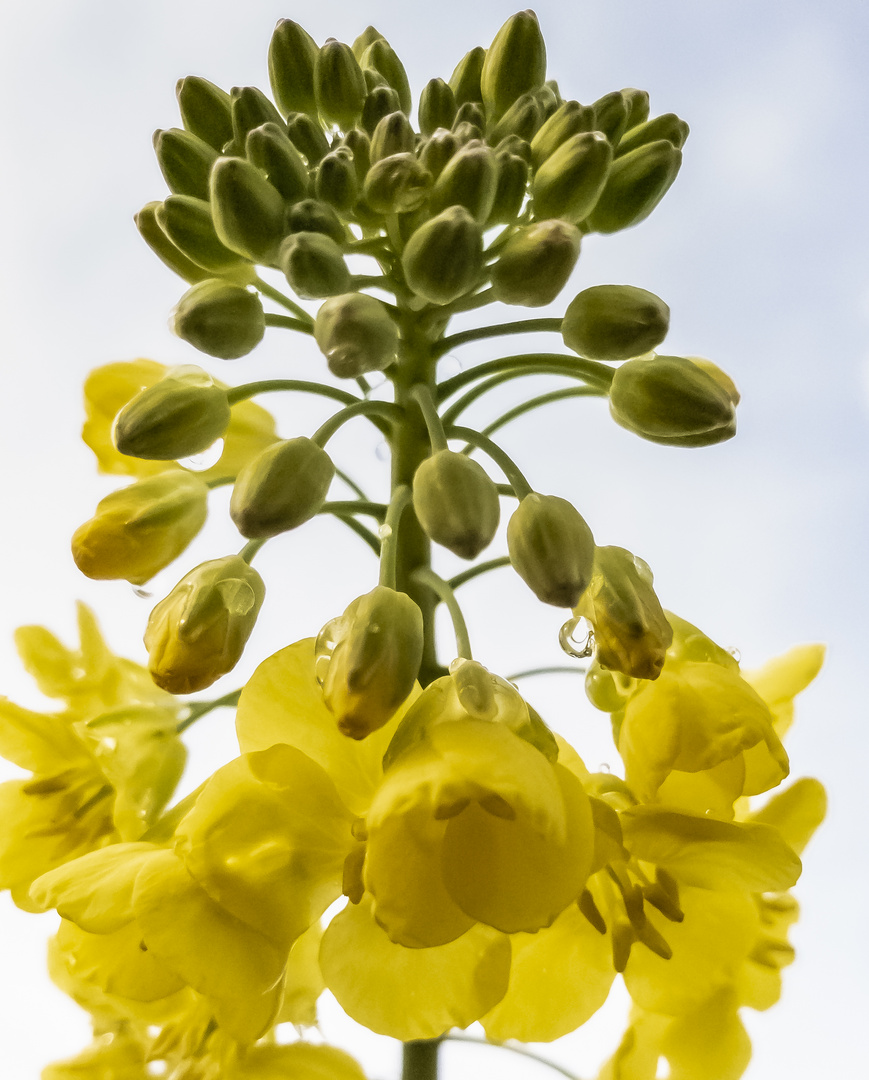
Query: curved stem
pixel 251 548
pixel 533 363
pixel 219 481
pixel 555 669
pixel 383 410
pixel 536 403
pixel 422 395
pixel 508 466
pixel 361 531
pixel 513 1050
pixel 475 571
pixel 345 507
pixel 471 303
pixel 372 281
pixel 478 333
pixel 275 294
pixel 402 497
pixel 351 483
pixel 201 708
pixel 267 386
pixel 288 323
pixel 441 588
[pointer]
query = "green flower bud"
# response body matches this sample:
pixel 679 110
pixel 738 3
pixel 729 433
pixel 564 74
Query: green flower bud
pixel 368 36
pixel 177 417
pixel 205 110
pixel 272 151
pixel 248 212
pixel 511 189
pixel 313 265
pixel 437 106
pixel 636 184
pixel 393 135
pixel 373 80
pixel 615 322
pixel 637 102
pixel 281 488
pixel 456 503
pixel 512 144
pixel 359 145
pixel 356 335
pixel 309 215
pixel 631 632
pixel 307 137
pixel 250 109
pixel 199 631
pixel 443 259
pixel 157 240
pixel 374 660
pixel 570 182
pixel 515 63
pixel 396 184
pixel 669 398
pixel 470 179
pixel 465 80
pixel 523 118
pixel 535 263
pixel 466 132
pixel 184 161
pixel 551 549
pixel 139 530
pixel 549 98
pixel 611 115
pixel 437 150
pixel 382 57
pixel 381 101
pixel 189 225
pixel 339 84
pixel 292 56
pixel 336 182
pixel 667 126
pixel 470 113
pixel 569 119
pixel 220 319
pixel 721 377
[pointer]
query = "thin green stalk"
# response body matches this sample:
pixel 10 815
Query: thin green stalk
pixel 422 395
pixel 343 507
pixel 478 333
pixel 481 568
pixel 471 303
pixel 532 363
pixel 251 548
pixel 555 669
pixel 513 1050
pixel 202 708
pixel 361 531
pixel 383 410
pixel 372 281
pixel 402 497
pixel 267 386
pixel 420 1060
pixel 219 481
pixel 275 294
pixel 502 459
pixel 287 323
pixel 426 576
pixel 351 483
pixel 536 403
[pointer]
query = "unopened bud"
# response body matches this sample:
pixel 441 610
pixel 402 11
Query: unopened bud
pixel 336 182
pixel 168 253
pixel 437 150
pixel 313 265
pixel 382 57
pixel 220 319
pixel 281 488
pixel 437 106
pixel 443 259
pixel 667 126
pixel 292 55
pixel 199 631
pixel 611 115
pixel 551 549
pixel 339 84
pixel 177 417
pixel 466 132
pixel 615 322
pixel 523 118
pixel 456 503
pixel 669 399
pixel 250 109
pixel 515 63
pixel 358 143
pixel 184 161
pixel 721 377
pixel 205 110
pixel 379 103
pixel 511 189
pixel 570 182
pixel 311 215
pixel 273 152
pixel 248 212
pixel 307 137
pixel 471 113
pixel 636 184
pixel 397 184
pixel 470 179
pixel 465 79
pixel 512 144
pixel 393 135
pixel 139 530
pixel 374 662
pixel 631 632
pixel 189 225
pixel 356 335
pixel 569 119
pixel 535 263
pixel 368 36
pixel 637 102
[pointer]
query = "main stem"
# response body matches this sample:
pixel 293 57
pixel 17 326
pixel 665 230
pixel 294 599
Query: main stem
pixel 420 1060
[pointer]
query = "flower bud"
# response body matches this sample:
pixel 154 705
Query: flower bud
pixel 551 549
pixel 615 322
pixel 444 258
pixel 471 114
pixel 205 110
pixel 470 179
pixel 178 416
pixel 466 132
pixel 307 137
pixel 631 633
pixel 393 135
pixel 220 319
pixel 637 102
pixel 382 57
pixel 465 80
pixel 368 36
pixel 355 334
pixel 374 80
pixel 250 109
pixel 310 215
pixel 139 530
pixel 437 106
pixel 292 56
pixel 281 488
pixel 535 263
pixel 359 145
pixel 569 119
pixel 189 225
pixel 570 182
pixel 198 632
pixel 721 377
pixel 313 265
pixel 670 399
pixel 157 240
pixel 272 151
pixel 339 84
pixel 611 115
pixel 380 102
pixel 396 184
pixel 523 118
pixel 510 192
pixel 515 63
pixel 512 144
pixel 184 161
pixel 456 503
pixel 667 126
pixel 636 184
pixel 437 150
pixel 375 660
pixel 336 182
pixel 248 211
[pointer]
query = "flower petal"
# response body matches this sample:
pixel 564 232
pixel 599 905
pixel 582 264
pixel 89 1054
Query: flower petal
pixel 796 812
pixel 298 1060
pixel 710 1042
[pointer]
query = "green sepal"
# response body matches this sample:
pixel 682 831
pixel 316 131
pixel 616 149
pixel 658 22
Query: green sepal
pixel 339 84
pixel 157 240
pixel 382 57
pixel 511 189
pixel 666 126
pixel 551 548
pixel 471 112
pixel 368 36
pixel 397 184
pixel 250 109
pixel 569 119
pixel 307 136
pixel 393 135
pixel 313 265
pixel 249 214
pixel 456 503
pixel 611 115
pixel 292 55
pixel 381 102
pixel 570 182
pixel 437 150
pixel 311 215
pixel 536 263
pixel 615 322
pixel 443 259
pixel 638 106
pixel 636 184
pixel 272 151
pixel 220 319
pixel 336 182
pixel 465 79
pixel 359 144
pixel 185 161
pixel 523 118
pixel 189 225
pixel 205 110
pixel 437 106
pixel 515 63
pixel 356 335
pixel 470 179
pixel 281 488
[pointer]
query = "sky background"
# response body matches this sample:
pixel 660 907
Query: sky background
pixel 760 251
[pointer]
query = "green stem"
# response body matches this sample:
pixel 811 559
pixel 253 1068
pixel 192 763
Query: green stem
pixel 351 483
pixel 361 531
pixel 345 507
pixel 267 386
pixel 471 303
pixel 480 568
pixel 508 466
pixel 555 669
pixel 219 481
pixel 402 497
pixel 422 395
pixel 383 410
pixel 251 548
pixel 287 323
pixel 420 1060
pixel 513 1050
pixel 536 403
pixel 201 708
pixel 478 333
pixel 372 281
pixel 533 363
pixel 424 575
pixel 275 294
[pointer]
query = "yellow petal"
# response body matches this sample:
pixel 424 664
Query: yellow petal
pixel 109 1057
pixel 298 1060
pixel 709 1042
pixel 38 742
pixel 639 1050
pixel 303 983
pixel 796 812
pixel 411 993
pixel 785 676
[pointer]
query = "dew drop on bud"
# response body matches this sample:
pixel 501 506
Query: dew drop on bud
pixel 576 638
pixel 384 532
pixel 205 460
pixel 735 653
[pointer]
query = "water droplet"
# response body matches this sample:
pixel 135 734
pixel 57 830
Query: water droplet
pixel 237 596
pixel 735 653
pixel 449 365
pixel 381 451
pixel 604 767
pixel 143 594
pixel 324 646
pixel 576 638
pixel 384 532
pixel 191 374
pixel 205 460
